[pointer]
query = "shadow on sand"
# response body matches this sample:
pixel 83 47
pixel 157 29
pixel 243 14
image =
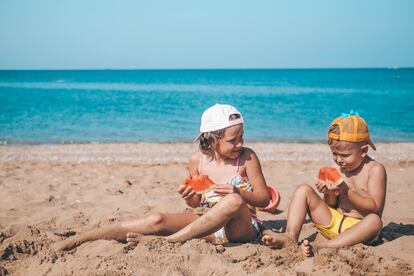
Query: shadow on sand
pixel 393 231
pixel 278 226
pixel 388 233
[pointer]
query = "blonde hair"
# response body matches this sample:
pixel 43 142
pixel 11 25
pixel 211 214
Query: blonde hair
pixel 208 139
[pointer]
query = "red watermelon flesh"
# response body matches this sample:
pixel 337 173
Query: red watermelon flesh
pixel 331 174
pixel 199 183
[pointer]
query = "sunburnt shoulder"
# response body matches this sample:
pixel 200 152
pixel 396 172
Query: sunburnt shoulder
pixel 248 158
pixel 247 154
pixel 194 157
pixel 376 167
pixel 372 168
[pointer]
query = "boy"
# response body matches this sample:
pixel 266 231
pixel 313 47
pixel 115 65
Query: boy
pixel 351 212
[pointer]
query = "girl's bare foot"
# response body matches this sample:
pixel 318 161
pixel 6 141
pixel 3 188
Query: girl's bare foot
pixel 308 250
pixel 110 232
pixel 137 238
pixel 277 241
pixel 67 244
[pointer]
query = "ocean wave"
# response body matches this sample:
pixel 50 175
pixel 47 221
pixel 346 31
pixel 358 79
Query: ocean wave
pixel 201 88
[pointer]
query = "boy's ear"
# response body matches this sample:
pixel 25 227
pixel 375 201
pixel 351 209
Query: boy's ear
pixel 364 150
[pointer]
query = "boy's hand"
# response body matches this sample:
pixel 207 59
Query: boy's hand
pixel 343 189
pixel 326 187
pixel 185 192
pixel 225 189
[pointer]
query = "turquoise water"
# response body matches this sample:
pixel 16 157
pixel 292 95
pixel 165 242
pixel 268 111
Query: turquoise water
pixel 166 105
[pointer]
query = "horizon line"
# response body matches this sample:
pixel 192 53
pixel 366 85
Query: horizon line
pixel 211 69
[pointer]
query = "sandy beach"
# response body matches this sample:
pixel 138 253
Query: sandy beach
pixel 50 192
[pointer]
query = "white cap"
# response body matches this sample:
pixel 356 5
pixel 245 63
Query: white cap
pixel 218 117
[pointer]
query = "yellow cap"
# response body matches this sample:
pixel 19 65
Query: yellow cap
pixel 352 128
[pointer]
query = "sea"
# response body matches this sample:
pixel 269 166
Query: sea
pixel 162 106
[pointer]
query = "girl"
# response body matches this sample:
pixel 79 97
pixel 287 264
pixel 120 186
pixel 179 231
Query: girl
pixel 230 215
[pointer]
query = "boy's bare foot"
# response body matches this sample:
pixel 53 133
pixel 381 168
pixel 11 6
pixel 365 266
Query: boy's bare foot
pixel 308 250
pixel 277 241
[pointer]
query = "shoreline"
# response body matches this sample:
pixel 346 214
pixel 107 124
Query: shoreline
pixel 150 153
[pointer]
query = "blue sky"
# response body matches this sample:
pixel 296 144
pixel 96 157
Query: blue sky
pixel 41 34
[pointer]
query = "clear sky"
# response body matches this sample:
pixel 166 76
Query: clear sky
pixel 178 34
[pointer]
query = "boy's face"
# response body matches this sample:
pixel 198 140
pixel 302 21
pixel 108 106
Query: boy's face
pixel 348 156
pixel 230 145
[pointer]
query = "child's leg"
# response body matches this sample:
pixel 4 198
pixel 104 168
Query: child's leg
pixel 367 229
pixel 304 200
pixel 231 212
pixel 155 224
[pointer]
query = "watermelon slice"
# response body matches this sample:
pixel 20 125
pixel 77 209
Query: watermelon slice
pixel 331 174
pixel 200 183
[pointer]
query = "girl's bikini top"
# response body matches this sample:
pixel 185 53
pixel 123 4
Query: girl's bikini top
pixel 210 198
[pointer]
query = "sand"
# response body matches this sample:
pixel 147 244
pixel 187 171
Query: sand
pixel 49 192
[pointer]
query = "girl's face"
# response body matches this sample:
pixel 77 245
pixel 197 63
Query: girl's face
pixel 230 145
pixel 349 156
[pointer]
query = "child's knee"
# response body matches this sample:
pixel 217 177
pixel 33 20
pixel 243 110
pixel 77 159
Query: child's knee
pixel 303 189
pixel 234 202
pixel 156 220
pixel 375 221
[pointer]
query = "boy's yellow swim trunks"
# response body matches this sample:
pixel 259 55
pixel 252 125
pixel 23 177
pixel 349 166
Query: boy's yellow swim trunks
pixel 339 224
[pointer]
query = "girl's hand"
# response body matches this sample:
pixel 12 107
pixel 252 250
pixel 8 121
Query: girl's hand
pixel 185 192
pixel 225 189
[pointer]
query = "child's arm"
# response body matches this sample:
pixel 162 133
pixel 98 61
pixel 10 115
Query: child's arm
pixel 373 200
pixel 329 195
pixel 330 199
pixel 191 198
pixel 259 197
